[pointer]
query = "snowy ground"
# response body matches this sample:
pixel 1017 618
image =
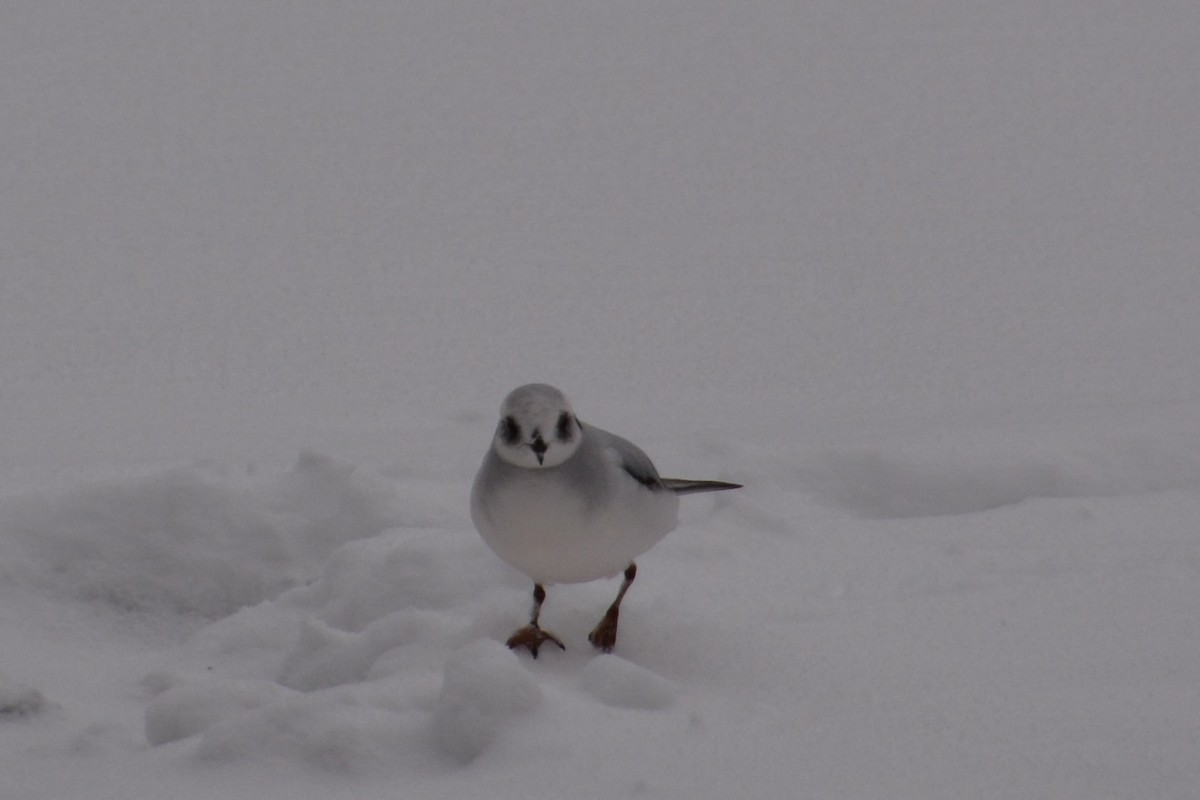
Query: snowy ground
pixel 923 278
pixel 995 613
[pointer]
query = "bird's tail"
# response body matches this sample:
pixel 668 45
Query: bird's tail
pixel 680 486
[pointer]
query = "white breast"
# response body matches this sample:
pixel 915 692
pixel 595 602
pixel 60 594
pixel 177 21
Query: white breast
pixel 553 533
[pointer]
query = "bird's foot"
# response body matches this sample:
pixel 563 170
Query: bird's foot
pixel 532 637
pixel 604 636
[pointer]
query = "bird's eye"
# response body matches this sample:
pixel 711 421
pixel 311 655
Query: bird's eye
pixel 564 428
pixel 510 431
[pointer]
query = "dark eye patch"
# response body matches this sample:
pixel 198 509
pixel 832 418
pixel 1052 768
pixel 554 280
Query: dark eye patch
pixel 510 431
pixel 564 429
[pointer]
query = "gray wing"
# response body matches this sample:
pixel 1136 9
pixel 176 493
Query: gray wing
pixel 633 460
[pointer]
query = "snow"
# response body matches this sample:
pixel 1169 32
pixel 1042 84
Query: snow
pixel 616 682
pixel 922 277
pixel 483 686
pixel 19 700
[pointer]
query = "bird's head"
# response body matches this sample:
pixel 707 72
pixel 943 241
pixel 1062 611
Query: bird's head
pixel 537 428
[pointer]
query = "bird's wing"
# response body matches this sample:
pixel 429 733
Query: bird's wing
pixel 635 462
pixel 628 455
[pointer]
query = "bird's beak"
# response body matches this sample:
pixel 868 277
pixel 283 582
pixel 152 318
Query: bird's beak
pixel 539 448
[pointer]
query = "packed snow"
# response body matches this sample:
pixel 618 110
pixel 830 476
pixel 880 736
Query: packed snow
pixel 924 279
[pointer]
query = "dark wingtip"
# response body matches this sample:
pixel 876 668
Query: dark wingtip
pixel 681 486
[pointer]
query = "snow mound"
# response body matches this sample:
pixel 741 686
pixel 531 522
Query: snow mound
pixel 197 540
pixel 399 601
pixel 18 700
pixel 484 685
pixel 616 682
pixel 878 487
pixel 194 707
pixel 324 657
pixel 408 568
pixel 381 649
pixel 982 473
pixel 328 733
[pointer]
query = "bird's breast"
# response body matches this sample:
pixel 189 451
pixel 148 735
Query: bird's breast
pixel 556 531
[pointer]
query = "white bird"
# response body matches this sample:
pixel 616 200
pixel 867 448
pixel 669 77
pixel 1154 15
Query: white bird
pixel 566 502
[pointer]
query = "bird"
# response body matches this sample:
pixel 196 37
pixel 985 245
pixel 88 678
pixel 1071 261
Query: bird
pixel 563 501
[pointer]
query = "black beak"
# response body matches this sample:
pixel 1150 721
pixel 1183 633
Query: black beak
pixel 539 448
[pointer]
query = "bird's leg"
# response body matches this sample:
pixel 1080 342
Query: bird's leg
pixel 604 636
pixel 532 636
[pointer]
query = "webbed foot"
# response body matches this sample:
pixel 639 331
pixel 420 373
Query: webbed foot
pixel 532 637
